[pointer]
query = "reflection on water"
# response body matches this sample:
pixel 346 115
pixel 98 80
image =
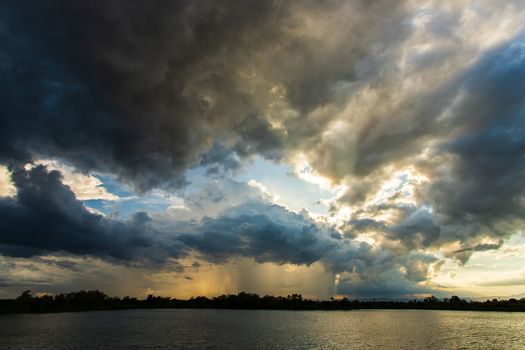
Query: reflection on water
pixel 253 329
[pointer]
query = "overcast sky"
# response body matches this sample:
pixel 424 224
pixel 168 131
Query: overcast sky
pixel 358 148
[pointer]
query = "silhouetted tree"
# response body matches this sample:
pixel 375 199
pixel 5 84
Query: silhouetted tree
pixel 97 300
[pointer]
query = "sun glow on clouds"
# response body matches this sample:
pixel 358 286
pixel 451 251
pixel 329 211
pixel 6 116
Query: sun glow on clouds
pixel 205 280
pixel 352 148
pixel 85 186
pixel 7 189
pixel 304 171
pixel 494 273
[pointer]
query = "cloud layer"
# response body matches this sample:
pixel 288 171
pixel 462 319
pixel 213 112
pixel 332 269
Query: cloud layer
pixel 415 110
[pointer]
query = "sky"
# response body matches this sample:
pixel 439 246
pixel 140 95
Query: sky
pixel 367 149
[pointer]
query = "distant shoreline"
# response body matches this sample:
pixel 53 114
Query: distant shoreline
pixel 98 301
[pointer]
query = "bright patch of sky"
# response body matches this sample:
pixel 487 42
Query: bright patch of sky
pixel 275 179
pixel 480 276
pixel 286 188
pixel 498 273
pixel 85 186
pixel 130 202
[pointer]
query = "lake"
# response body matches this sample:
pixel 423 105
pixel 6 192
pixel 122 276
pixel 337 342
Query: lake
pixel 263 329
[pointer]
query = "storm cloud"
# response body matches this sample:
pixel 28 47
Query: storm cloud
pixel 142 90
pixel 414 112
pixel 45 217
pixel 255 228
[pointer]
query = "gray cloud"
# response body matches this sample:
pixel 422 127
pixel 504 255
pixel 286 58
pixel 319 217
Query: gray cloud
pixel 360 89
pixel 481 247
pixel 255 228
pixel 474 186
pixel 269 233
pixel 143 90
pixel 60 223
pixel 45 217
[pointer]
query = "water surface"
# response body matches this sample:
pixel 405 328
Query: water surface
pixel 262 329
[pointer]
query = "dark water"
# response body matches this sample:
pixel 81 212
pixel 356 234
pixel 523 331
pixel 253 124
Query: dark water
pixel 238 329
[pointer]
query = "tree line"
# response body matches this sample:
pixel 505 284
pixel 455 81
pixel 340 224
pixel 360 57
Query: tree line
pixel 97 300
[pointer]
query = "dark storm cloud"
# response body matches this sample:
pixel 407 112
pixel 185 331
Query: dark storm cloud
pixel 269 233
pixel 253 228
pixel 263 231
pixel 119 87
pixel 475 171
pixel 141 89
pixel 482 193
pixel 257 229
pixel 487 177
pixel 416 106
pixel 413 227
pixel 45 217
pixel 145 91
